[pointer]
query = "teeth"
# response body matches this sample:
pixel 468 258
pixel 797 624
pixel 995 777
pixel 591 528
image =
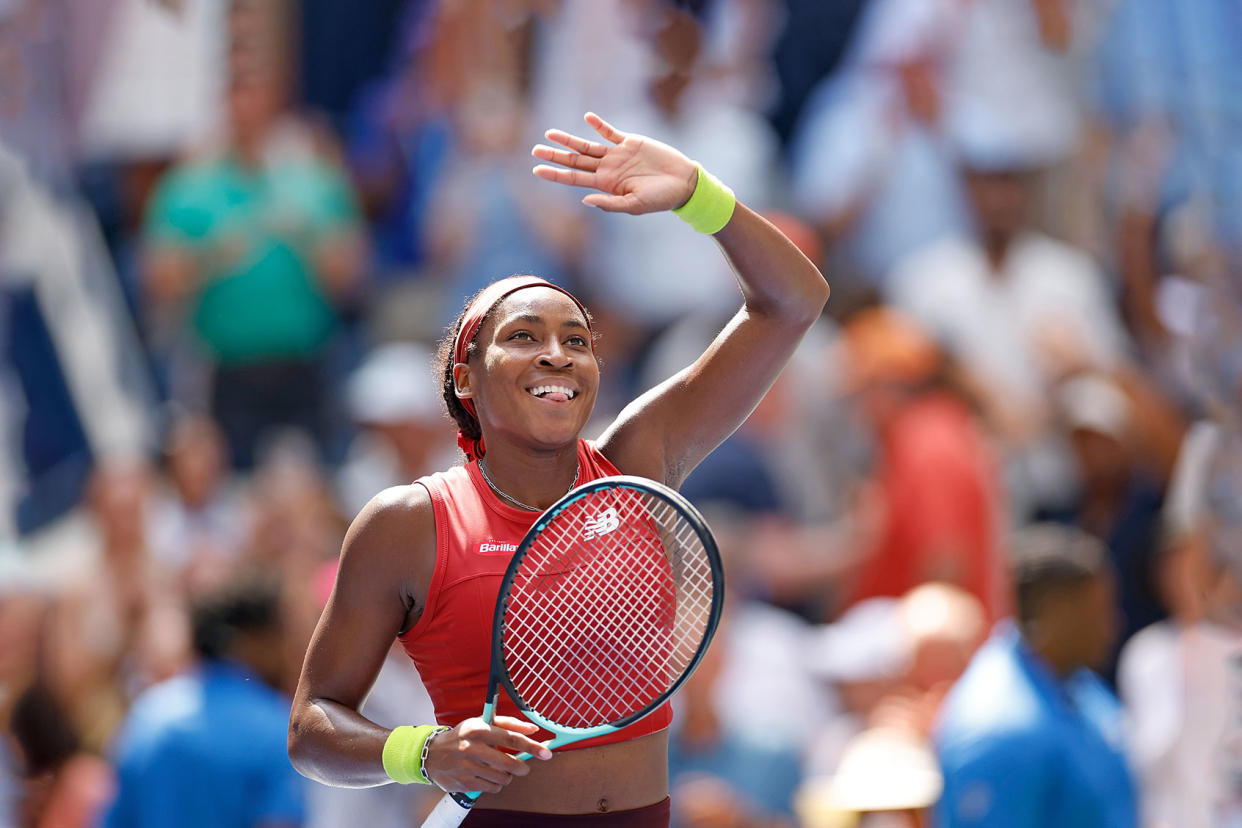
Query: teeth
pixel 540 390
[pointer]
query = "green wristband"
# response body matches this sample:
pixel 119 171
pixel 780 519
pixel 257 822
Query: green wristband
pixel 405 751
pixel 710 206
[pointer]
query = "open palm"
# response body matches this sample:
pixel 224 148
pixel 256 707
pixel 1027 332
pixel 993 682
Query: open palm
pixel 633 173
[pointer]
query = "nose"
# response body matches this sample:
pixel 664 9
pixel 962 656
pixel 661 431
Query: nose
pixel 555 355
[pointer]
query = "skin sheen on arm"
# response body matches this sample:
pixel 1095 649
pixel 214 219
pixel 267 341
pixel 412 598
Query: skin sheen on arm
pixel 385 569
pixel 668 431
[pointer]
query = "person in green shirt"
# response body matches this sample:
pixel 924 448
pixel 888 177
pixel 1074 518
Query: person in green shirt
pixel 257 245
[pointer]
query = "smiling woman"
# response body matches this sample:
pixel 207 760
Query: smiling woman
pixel 423 562
pixel 539 330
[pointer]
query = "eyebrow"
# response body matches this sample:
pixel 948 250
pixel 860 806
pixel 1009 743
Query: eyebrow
pixel 535 319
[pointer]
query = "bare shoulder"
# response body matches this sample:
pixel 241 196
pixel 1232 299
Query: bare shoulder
pixel 397 510
pixel 630 447
pixel 390 548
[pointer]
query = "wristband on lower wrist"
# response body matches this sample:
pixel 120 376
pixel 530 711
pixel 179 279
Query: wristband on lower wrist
pixel 710 205
pixel 405 753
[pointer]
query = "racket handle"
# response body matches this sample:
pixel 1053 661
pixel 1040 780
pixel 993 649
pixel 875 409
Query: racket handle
pixel 449 811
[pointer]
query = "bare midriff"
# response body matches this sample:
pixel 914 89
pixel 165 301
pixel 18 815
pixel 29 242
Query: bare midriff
pixel 614 777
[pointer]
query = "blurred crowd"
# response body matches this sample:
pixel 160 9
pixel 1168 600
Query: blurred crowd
pixel 231 232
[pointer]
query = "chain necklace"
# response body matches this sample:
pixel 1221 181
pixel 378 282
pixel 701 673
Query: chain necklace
pixel 513 500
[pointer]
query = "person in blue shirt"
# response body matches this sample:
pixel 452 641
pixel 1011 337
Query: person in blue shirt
pixel 207 747
pixel 1030 736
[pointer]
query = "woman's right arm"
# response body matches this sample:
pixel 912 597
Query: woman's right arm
pixel 386 566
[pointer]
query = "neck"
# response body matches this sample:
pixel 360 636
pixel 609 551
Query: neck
pixel 1059 657
pixel 248 147
pixel 536 480
pixel 996 248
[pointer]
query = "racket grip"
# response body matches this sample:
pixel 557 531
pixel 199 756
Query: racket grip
pixel 449 811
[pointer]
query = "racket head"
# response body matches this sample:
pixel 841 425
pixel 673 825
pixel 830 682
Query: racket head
pixel 608 605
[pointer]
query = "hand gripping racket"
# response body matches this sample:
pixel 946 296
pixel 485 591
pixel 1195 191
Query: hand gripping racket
pixel 607 607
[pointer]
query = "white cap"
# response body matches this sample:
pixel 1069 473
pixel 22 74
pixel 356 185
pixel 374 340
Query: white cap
pixel 395 383
pixel 1091 402
pixel 867 643
pixel 882 769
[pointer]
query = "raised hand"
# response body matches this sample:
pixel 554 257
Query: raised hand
pixel 633 173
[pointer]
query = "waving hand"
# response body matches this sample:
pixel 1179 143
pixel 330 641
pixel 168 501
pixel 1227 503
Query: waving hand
pixel 633 173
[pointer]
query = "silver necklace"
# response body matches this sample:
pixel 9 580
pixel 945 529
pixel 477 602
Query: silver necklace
pixel 513 500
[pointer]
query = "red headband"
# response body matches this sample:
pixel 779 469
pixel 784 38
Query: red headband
pixel 470 322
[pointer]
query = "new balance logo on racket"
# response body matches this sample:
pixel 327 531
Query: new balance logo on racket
pixel 606 522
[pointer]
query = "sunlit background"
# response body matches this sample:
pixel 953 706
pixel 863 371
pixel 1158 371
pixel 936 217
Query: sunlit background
pixel 231 234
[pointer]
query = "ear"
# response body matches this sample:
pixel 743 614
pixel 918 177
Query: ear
pixel 461 381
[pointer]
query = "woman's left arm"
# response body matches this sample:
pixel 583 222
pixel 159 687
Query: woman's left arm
pixel 668 430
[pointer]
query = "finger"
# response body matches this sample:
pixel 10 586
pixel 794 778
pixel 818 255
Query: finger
pixel 604 128
pixel 574 178
pixel 509 733
pixel 487 780
pixel 511 723
pixel 568 159
pixel 498 765
pixel 582 145
pixel 518 743
pixel 612 203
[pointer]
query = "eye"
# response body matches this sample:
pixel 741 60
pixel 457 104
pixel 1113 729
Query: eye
pixel 577 341
pixel 522 335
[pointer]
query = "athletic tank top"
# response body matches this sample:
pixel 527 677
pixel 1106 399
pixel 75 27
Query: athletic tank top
pixel 476 535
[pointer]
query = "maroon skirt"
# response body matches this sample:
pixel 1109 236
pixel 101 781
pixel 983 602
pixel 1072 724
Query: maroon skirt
pixel 651 816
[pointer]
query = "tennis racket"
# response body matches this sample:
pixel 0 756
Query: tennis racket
pixel 607 607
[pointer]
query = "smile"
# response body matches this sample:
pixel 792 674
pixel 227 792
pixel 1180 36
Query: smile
pixel 556 393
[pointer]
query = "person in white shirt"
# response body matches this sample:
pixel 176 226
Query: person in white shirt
pixel 1181 679
pixel 1017 309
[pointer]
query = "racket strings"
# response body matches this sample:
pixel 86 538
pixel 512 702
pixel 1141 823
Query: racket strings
pixel 607 610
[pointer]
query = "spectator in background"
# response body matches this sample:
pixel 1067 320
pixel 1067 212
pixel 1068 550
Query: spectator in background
pixel 935 484
pixel 196 514
pixel 1179 678
pixel 25 605
pixel 483 220
pixel 1029 736
pixel 1015 308
pixel 746 716
pixel 860 658
pixel 401 427
pixel 294 526
pixel 723 769
pixel 868 163
pixel 118 625
pixel 259 245
pixel 397 137
pixel 1165 92
pixel 887 779
pixel 890 663
pixel 480 220
pixel 65 786
pixel 646 273
pixel 208 746
pixel 1119 499
pixel 873 156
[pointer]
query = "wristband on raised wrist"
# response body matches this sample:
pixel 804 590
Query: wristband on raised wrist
pixel 405 753
pixel 710 206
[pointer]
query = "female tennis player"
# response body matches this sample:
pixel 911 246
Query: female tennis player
pixel 423 562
